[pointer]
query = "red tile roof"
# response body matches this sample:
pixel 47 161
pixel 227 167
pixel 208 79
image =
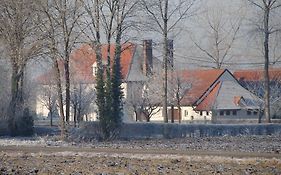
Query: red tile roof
pixel 201 81
pixel 256 75
pixel 82 59
pixel 207 103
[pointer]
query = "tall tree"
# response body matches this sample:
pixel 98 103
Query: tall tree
pixel 163 16
pixel 110 17
pixel 19 33
pixel 93 23
pixel 266 27
pixel 60 24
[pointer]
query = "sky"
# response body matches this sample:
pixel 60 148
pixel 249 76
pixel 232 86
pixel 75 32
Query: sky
pixel 245 51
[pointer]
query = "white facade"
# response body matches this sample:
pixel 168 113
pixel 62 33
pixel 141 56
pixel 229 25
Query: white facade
pixel 188 114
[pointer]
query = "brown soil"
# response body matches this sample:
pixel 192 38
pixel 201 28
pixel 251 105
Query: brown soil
pixel 75 160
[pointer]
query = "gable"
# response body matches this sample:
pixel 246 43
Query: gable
pixel 201 81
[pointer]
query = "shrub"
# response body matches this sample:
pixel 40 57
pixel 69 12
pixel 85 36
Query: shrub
pixel 23 124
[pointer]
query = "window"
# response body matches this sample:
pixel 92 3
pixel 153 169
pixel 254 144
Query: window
pixel 185 113
pixel 221 112
pixel 249 112
pixel 207 112
pixel 255 112
pixel 95 69
pixel 234 112
pixel 201 113
pixel 227 112
pixel 192 118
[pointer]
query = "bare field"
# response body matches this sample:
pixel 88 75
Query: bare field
pixel 219 155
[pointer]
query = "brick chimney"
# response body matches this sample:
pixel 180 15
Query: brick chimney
pixel 147 64
pixel 171 54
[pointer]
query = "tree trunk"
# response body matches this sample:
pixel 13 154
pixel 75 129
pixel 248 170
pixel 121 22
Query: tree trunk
pixel 266 65
pixel 260 116
pixel 60 99
pixel 51 117
pixel 79 117
pixel 179 111
pixel 172 114
pixel 13 102
pixel 165 64
pixel 67 89
pixel 75 115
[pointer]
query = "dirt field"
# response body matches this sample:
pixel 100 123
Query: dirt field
pixel 221 155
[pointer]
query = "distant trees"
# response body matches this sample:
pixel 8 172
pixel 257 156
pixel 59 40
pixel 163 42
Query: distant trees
pixel 82 99
pixel 266 27
pixel 48 97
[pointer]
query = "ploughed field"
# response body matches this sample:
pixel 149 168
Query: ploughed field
pixel 213 155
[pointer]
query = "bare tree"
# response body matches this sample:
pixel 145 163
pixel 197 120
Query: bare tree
pixel 180 87
pixel 162 17
pixel 82 98
pixel 22 42
pixel 48 98
pixel 266 27
pixel 145 98
pixel 219 31
pixel 61 20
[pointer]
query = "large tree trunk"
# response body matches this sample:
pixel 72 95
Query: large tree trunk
pixel 67 89
pixel 17 102
pixel 266 65
pixel 165 64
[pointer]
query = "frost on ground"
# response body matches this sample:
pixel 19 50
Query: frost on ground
pixel 56 157
pixel 259 144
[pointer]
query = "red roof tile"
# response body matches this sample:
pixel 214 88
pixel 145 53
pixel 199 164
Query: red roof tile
pixel 207 103
pixel 82 59
pixel 256 75
pixel 201 81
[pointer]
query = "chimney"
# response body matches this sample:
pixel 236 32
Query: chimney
pixel 147 63
pixel 171 54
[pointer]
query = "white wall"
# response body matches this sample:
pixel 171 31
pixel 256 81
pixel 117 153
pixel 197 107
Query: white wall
pixel 187 114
